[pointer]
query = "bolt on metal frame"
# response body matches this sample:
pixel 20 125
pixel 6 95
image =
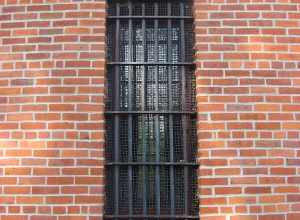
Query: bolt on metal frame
pixel 150 111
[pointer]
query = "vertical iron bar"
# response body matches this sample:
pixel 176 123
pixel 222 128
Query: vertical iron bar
pixel 156 32
pixel 184 108
pixel 143 93
pixel 117 119
pixel 185 156
pixel 182 33
pixel 157 168
pixel 169 48
pixel 130 98
pixel 169 58
pixel 116 177
pixel 117 58
pixel 144 167
pixel 172 179
pixel 157 159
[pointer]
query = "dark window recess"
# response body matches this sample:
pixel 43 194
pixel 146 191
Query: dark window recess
pixel 151 170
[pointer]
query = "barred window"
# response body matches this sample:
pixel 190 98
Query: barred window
pixel 151 170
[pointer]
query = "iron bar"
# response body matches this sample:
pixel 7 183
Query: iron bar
pixel 184 107
pixel 171 135
pixel 116 119
pixel 151 112
pixel 130 96
pixel 151 63
pixel 152 163
pixel 183 217
pixel 157 169
pixel 150 17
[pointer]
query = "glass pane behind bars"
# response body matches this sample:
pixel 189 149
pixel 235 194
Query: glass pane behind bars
pixel 145 138
pixel 150 124
pixel 151 86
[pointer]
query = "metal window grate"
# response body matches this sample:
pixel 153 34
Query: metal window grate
pixel 150 111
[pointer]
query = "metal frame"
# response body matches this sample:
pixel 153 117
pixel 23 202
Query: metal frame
pixel 149 143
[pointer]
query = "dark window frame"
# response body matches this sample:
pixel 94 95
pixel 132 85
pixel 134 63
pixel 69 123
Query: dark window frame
pixel 150 111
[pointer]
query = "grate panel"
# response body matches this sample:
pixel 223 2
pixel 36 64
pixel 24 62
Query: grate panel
pixel 149 9
pixel 124 9
pixel 138 190
pixel 137 9
pixel 175 11
pixel 150 42
pixel 124 42
pixel 123 139
pixel 162 41
pixel 193 210
pixel 123 191
pixel 162 8
pixel 150 120
pixel 109 193
pixel 188 41
pixel 165 190
pixel 138 48
pixel 177 139
pixel 163 96
pixel 138 77
pixel 179 192
pixel 164 139
pixel 109 139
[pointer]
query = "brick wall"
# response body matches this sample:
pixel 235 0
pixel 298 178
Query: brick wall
pixel 248 95
pixel 51 109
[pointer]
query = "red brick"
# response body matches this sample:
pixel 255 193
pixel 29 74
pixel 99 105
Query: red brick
pixel 271 180
pixel 60 180
pixel 283 171
pixel 59 199
pixel 75 171
pixel 257 190
pixel 14 217
pixel 71 218
pixel 267 126
pixel 212 201
pixel 33 125
pixel 61 107
pixel 88 180
pixel 36 90
pixel 16 190
pixel 88 199
pixel 70 38
pixel 58 7
pixel 271 217
pixel 293 216
pixel 44 217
